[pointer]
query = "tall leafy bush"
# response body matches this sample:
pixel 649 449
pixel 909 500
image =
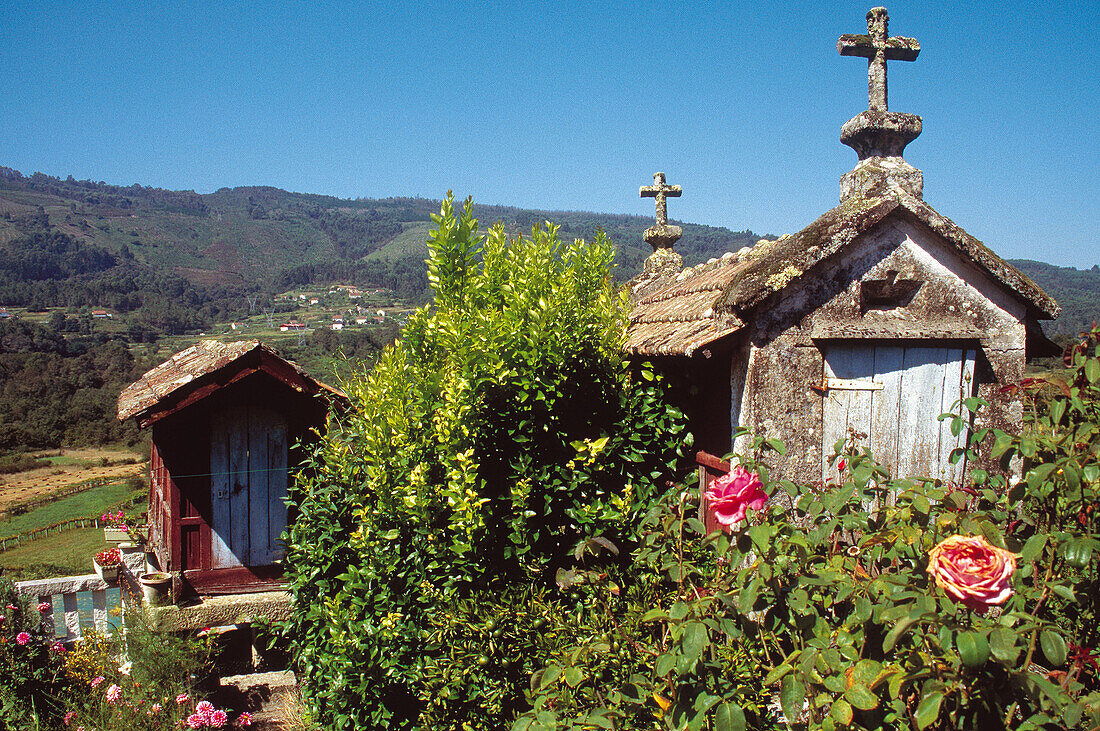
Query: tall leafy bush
pixel 501 429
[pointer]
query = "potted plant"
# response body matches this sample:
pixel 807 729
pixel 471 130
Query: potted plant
pixel 117 530
pixel 155 588
pixel 107 563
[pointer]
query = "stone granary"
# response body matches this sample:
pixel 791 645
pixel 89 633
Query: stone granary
pixel 228 420
pixel 871 321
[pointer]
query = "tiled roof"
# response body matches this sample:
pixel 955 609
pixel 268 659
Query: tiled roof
pixel 186 366
pixel 683 313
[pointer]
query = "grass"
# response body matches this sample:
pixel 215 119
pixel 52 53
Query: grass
pixel 65 554
pixel 81 505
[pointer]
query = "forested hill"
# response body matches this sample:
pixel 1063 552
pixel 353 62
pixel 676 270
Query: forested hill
pixel 263 237
pixel 176 261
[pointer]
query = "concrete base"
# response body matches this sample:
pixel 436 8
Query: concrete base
pixel 219 611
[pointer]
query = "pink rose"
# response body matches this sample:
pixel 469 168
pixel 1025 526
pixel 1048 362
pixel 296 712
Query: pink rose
pixel 729 496
pixel 204 708
pixel 113 693
pixel 972 571
pixel 196 720
pixel 218 719
pixel 22 638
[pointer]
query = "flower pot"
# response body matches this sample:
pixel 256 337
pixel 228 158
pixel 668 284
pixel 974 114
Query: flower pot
pixel 155 588
pixel 115 535
pixel 107 573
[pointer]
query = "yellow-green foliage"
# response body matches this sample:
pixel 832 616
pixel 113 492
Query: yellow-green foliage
pixel 501 429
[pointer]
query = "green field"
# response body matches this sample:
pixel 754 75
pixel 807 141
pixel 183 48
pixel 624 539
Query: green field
pixel 65 554
pixel 89 503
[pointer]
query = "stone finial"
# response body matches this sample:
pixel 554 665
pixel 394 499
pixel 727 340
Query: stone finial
pixel 878 135
pixel 661 236
pixel 878 48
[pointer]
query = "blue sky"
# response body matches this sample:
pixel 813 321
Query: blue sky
pixel 566 105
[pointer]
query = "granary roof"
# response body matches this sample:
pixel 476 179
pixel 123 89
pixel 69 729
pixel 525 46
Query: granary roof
pixel 189 369
pixel 704 304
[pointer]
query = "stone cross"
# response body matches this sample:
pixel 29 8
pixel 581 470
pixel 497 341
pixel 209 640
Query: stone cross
pixel 878 48
pixel 660 191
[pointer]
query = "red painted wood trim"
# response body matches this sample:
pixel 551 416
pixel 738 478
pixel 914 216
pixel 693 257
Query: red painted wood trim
pixel 708 460
pixel 237 580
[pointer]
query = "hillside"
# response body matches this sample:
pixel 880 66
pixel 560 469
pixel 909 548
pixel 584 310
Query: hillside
pixel 177 261
pixel 1077 290
pixel 250 234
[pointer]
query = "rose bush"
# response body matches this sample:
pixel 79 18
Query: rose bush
pixel 827 614
pixel 972 571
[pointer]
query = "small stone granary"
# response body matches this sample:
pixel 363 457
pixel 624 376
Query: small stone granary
pixel 871 321
pixel 226 418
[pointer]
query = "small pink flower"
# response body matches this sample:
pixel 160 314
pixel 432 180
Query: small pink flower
pixel 841 465
pixel 182 698
pixel 204 708
pixel 245 719
pixel 113 694
pixel 154 709
pixel 730 495
pixel 57 647
pixel 43 607
pixel 22 638
pixel 12 607
pixel 69 717
pixel 218 719
pixel 196 721
pixel 94 682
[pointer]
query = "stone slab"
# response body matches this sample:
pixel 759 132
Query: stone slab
pixel 224 610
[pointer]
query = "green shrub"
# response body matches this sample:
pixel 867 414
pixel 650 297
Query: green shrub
pixel 828 607
pixel 501 429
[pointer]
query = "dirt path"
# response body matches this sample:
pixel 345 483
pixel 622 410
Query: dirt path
pixel 22 487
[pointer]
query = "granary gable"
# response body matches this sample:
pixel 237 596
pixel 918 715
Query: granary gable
pixel 699 306
pixel 868 323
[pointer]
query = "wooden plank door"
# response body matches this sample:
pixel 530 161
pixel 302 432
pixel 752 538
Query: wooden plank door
pixel 248 460
pixel 892 395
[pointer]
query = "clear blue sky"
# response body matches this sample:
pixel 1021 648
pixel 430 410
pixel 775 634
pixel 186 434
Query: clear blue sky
pixel 566 105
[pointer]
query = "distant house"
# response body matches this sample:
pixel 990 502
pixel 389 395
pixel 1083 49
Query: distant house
pixel 354 293
pixel 314 301
pixel 100 314
pixel 361 320
pixel 4 314
pixel 337 323
pixel 291 326
pixel 236 326
pixel 228 421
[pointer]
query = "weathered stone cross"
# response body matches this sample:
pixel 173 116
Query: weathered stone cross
pixel 878 48
pixel 660 191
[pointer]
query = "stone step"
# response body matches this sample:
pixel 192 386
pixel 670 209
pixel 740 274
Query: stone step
pixel 261 694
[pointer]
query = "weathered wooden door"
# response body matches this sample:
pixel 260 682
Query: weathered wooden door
pixel 894 395
pixel 248 467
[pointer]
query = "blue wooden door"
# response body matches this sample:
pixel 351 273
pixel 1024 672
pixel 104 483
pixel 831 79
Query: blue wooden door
pixel 891 396
pixel 248 467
